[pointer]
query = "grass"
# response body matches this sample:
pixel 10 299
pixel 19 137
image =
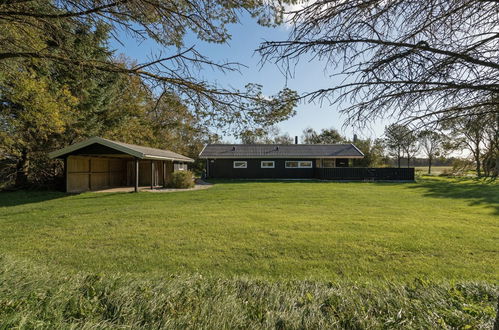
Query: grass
pixel 34 297
pixel 439 229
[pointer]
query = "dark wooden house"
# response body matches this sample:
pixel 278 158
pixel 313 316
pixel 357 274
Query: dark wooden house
pixel 99 163
pixel 283 161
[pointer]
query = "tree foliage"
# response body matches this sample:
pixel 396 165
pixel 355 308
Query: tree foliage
pixel 325 136
pixel 410 60
pixel 45 31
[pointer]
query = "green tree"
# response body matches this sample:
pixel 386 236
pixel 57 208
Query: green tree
pixel 395 136
pixel 432 144
pixel 43 30
pixel 326 136
pixel 373 151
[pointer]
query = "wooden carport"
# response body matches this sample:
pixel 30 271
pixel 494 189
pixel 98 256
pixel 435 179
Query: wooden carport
pixel 98 163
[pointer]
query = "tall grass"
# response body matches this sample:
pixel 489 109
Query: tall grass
pixel 38 297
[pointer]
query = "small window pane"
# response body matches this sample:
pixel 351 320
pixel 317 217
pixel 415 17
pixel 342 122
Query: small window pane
pixel 306 164
pixel 240 164
pixel 267 164
pixel 328 163
pixel 291 164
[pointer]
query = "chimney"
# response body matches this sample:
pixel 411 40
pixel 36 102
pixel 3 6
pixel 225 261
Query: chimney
pixel 355 138
pixel 296 139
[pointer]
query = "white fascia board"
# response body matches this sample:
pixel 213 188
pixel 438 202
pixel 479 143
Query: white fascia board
pixel 93 140
pixel 168 158
pixel 353 145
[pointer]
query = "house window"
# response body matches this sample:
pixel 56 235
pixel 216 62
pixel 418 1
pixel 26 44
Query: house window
pixel 240 164
pixel 329 163
pixel 298 164
pixel 267 164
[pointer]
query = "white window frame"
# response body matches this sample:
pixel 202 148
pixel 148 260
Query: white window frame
pixel 267 161
pixel 239 161
pixel 300 163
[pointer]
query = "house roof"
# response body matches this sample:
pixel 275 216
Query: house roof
pixel 281 151
pixel 123 148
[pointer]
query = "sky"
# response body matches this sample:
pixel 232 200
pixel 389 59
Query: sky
pixel 246 37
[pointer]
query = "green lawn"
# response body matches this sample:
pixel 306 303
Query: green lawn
pixel 436 228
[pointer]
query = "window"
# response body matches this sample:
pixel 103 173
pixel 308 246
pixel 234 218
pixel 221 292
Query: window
pixel 240 164
pixel 329 163
pixel 298 164
pixel 267 164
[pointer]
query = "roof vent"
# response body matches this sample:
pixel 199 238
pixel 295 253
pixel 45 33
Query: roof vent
pixel 233 148
pixel 277 148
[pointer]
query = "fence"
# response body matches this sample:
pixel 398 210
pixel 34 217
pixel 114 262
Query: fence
pixel 366 174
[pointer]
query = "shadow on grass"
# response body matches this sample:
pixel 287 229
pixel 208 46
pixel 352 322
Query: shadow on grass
pixel 478 192
pixel 21 197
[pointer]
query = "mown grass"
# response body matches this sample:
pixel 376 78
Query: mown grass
pixel 36 297
pixel 439 229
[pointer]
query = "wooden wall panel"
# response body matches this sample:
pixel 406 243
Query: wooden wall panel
pixel 78 164
pixel 100 165
pixel 94 173
pixel 78 182
pixel 99 181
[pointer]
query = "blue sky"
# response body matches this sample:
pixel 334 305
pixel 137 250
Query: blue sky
pixel 246 37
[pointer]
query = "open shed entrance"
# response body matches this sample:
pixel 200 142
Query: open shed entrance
pixel 98 164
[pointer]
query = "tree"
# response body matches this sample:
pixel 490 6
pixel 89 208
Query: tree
pixel 395 135
pixel 410 145
pixel 411 60
pixel 268 135
pixel 373 151
pixel 433 145
pixel 468 133
pixel 326 136
pixel 491 153
pixel 42 30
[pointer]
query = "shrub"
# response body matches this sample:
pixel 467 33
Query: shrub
pixel 182 180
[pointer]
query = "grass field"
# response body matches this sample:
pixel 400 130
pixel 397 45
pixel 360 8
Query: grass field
pixel 437 228
pixel 259 255
pixel 435 170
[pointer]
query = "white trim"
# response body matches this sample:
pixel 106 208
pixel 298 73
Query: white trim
pixel 240 161
pixel 83 144
pixel 353 145
pixel 202 151
pixel 299 163
pixel 267 161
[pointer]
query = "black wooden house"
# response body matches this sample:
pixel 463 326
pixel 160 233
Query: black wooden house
pixel 276 161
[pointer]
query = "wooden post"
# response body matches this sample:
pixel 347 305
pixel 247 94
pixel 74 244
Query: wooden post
pixel 136 174
pixel 152 174
pixel 164 174
pixel 66 181
pixel 90 173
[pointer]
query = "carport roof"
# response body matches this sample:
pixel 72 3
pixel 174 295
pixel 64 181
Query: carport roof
pixel 124 148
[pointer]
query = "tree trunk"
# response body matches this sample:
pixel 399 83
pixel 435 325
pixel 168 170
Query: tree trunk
pixel 22 169
pixel 398 159
pixel 408 160
pixel 478 164
pixel 429 165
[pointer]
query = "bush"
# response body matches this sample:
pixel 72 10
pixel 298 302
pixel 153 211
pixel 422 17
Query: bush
pixel 181 180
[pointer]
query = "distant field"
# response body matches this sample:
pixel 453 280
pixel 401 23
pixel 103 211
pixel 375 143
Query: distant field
pixel 437 228
pixel 435 170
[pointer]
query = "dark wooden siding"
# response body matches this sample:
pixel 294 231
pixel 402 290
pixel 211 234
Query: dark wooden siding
pixel 364 173
pixel 223 169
